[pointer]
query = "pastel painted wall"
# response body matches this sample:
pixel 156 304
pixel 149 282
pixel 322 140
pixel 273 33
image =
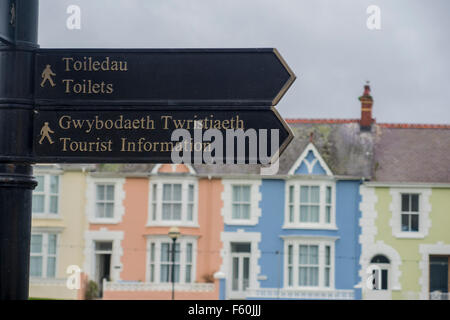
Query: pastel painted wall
pixel 72 224
pixel 134 225
pixel 409 249
pixel 163 295
pixel 347 249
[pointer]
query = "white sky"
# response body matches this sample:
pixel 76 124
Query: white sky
pixel 325 42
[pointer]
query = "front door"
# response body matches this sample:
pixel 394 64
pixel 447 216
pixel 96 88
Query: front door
pixel 103 253
pixel 240 269
pixel 439 277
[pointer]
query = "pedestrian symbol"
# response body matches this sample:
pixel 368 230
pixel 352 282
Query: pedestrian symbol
pixel 45 133
pixel 47 76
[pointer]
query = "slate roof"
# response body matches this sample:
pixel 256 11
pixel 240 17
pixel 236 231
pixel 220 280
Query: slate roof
pixel 346 150
pixel 412 153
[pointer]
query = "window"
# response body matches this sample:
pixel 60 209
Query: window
pixel 290 266
pixel 104 201
pixel 160 260
pixel 327 265
pixel 105 197
pixel 173 203
pixel 410 208
pixel 166 262
pixel 190 204
pixel 46 195
pixel 310 205
pixel 309 264
pixel 241 201
pixel 328 205
pixel 43 255
pixel 291 204
pixel 410 212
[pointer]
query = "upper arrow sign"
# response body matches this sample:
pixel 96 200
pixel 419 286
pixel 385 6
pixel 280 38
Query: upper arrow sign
pixel 172 77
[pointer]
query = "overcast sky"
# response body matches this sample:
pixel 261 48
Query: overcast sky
pixel 325 42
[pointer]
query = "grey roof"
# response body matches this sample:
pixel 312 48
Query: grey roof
pixel 346 150
pixel 412 154
pixel 343 146
pixel 389 153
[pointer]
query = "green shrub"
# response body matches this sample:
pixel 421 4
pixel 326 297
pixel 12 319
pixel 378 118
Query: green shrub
pixel 91 290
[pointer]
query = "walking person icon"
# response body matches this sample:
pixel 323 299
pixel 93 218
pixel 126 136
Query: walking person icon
pixel 45 133
pixel 47 76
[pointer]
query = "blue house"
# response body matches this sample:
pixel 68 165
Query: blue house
pixel 294 235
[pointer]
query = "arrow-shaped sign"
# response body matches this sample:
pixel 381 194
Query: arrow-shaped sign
pixel 157 136
pixel 164 77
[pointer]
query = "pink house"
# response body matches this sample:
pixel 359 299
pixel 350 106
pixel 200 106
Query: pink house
pixel 130 211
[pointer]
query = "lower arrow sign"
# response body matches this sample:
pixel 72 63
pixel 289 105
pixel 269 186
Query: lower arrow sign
pixel 159 136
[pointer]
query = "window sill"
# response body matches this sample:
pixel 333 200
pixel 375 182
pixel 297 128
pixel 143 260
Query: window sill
pixel 46 216
pixel 241 222
pixel 310 227
pixel 409 235
pixel 104 221
pixel 172 224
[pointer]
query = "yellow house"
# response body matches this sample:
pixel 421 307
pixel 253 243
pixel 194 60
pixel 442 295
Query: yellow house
pixel 58 226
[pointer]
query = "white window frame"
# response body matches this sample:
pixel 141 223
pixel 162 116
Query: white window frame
pixel 241 202
pixel 155 218
pixel 91 203
pixel 396 210
pixel 45 254
pixel 296 241
pixel 182 241
pixel 104 201
pixel 322 224
pixel 255 199
pixel 46 214
pixel 410 213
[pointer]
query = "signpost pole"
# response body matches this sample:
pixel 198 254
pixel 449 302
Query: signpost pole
pixel 18 40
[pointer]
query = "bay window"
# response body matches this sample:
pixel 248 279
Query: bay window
pixel 309 263
pixel 160 259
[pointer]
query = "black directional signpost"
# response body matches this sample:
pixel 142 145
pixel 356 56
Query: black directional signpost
pixel 146 136
pixel 208 106
pixel 174 77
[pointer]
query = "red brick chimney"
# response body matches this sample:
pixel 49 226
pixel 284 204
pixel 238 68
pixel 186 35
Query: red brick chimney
pixel 366 109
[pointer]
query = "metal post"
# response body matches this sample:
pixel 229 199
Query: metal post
pixel 174 240
pixel 18 41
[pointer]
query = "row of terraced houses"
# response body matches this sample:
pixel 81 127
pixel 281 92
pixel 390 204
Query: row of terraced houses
pixel 358 210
